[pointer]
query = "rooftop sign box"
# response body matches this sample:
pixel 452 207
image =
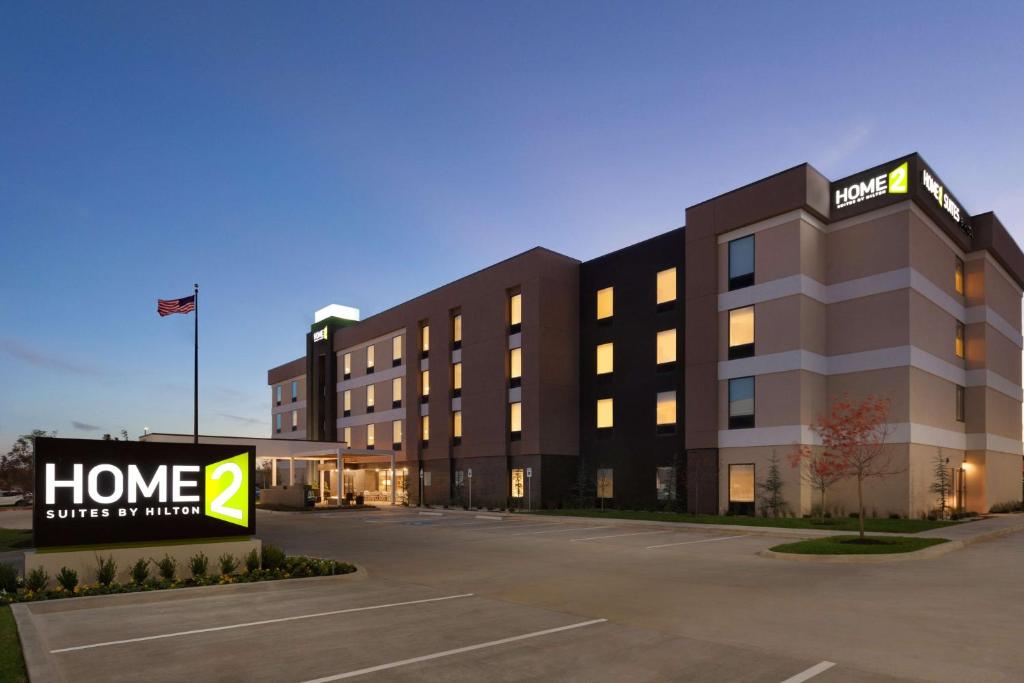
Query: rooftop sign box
pixel 98 492
pixel 905 178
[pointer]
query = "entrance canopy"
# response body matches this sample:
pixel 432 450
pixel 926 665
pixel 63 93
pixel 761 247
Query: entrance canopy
pixel 340 456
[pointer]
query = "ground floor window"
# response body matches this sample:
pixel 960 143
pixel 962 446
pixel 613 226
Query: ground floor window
pixel 666 483
pixel 741 489
pixel 605 482
pixel 518 483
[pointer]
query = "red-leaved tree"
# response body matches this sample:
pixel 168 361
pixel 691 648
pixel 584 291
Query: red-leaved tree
pixel 820 469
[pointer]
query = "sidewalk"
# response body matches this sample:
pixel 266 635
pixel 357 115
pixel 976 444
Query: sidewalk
pixel 990 527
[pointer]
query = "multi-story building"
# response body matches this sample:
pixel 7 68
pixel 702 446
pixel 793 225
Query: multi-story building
pixel 673 371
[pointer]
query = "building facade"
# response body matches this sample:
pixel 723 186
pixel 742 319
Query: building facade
pixel 671 373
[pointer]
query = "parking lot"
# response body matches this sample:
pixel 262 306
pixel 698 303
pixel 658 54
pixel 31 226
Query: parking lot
pixel 463 596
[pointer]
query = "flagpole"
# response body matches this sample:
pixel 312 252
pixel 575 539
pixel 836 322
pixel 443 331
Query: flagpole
pixel 195 378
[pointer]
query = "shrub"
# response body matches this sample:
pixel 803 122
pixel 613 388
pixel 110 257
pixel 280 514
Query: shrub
pixel 198 565
pixel 106 570
pixel 228 564
pixel 167 567
pixel 252 561
pixel 1009 506
pixel 140 571
pixel 894 515
pixel 273 557
pixel 37 579
pixel 67 579
pixel 8 578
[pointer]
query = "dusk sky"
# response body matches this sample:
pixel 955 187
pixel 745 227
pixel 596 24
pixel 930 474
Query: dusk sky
pixel 264 149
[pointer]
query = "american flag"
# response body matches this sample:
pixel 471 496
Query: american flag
pixel 183 305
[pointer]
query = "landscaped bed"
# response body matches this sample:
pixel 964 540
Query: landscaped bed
pixel 855 545
pixel 884 525
pixel 148 574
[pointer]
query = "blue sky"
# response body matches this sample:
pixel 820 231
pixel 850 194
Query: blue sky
pixel 262 149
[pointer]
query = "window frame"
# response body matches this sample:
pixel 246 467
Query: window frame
pixel 666 364
pixel 959 277
pixel 742 280
pixel 396 350
pixel 666 427
pixel 396 396
pixel 513 408
pixel 456 427
pixel 611 359
pixel 742 507
pixel 667 303
pixel 610 400
pixel 960 341
pixel 457 330
pixel 515 380
pixel 605 319
pixel 515 312
pixel 746 350
pixel 960 406
pixel 744 421
pixel 457 379
pixel 396 430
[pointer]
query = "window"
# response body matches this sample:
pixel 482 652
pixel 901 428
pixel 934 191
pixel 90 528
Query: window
pixel 295 391
pixel 371 398
pixel 457 331
pixel 515 420
pixel 456 427
pixel 277 423
pixel 959 348
pixel 960 392
pixel 666 287
pixel 741 403
pixel 741 489
pixel 605 413
pixel 666 347
pixel 456 379
pixel 277 396
pixel 295 420
pixel 958 277
pixel 424 340
pixel 425 430
pixel 396 351
pixel 518 482
pixel 371 358
pixel 666 412
pixel 605 358
pixel 460 477
pixel 346 436
pixel 741 332
pixel 347 366
pixel 741 262
pixel 515 313
pixel 396 392
pixel 424 385
pixel 605 482
pixel 665 483
pixel 371 436
pixel 515 367
pixel 346 403
pixel 605 303
pixel 396 435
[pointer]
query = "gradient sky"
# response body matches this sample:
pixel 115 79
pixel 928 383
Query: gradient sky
pixel 262 149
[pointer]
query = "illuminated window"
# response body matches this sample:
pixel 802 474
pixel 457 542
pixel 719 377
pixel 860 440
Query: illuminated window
pixel 518 483
pixel 605 413
pixel 425 430
pixel 396 351
pixel 295 391
pixel 424 385
pixel 457 331
pixel 515 367
pixel 515 313
pixel 666 346
pixel 958 277
pixel 605 358
pixel 960 392
pixel 741 332
pixel 346 403
pixel 347 365
pixel 346 436
pixel 665 482
pixel 741 403
pixel 666 412
pixel 371 434
pixel 371 396
pixel 371 357
pixel 396 434
pixel 959 339
pixel 605 482
pixel 666 286
pixel 741 262
pixel 424 340
pixel 605 303
pixel 277 423
pixel 456 427
pixel 295 420
pixel 515 420
pixel 277 390
pixel 396 392
pixel 456 379
pixel 741 489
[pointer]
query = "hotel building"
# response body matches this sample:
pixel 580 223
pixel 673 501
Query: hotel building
pixel 670 372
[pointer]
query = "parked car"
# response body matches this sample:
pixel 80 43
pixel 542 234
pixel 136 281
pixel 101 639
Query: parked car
pixel 15 498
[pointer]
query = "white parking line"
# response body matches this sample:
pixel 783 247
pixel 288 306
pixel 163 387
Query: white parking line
pixel 456 651
pixel 635 533
pixel 391 521
pixel 433 514
pixel 259 623
pixel 703 540
pixel 808 674
pixel 490 517
pixel 572 528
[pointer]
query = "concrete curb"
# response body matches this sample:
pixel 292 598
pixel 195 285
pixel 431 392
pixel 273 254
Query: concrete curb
pixel 38 662
pixel 923 554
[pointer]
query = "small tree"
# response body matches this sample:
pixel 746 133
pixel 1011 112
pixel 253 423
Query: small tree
pixel 821 469
pixel 16 466
pixel 942 486
pixel 771 489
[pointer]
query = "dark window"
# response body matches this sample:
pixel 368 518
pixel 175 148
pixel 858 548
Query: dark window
pixel 346 413
pixel 369 409
pixel 960 404
pixel 347 375
pixel 515 382
pixel 741 262
pixel 456 440
pixel 425 443
pixel 741 403
pixel 395 362
pixel 456 393
pixel 396 403
pixel 424 399
pixel 516 436
pixel 369 370
pixel 396 446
